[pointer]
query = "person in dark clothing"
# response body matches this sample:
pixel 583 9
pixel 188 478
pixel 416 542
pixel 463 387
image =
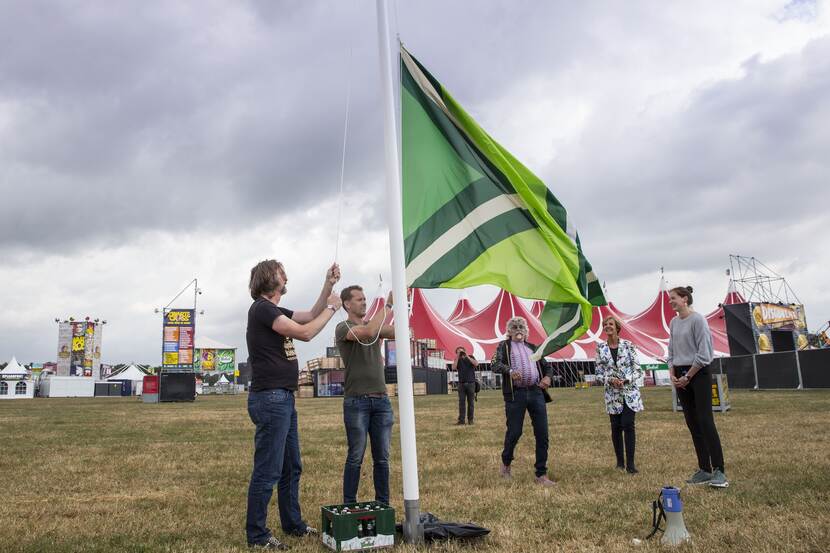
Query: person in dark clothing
pixel 689 354
pixel 466 366
pixel 524 386
pixel 274 368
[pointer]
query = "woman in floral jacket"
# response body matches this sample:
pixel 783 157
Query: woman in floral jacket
pixel 618 369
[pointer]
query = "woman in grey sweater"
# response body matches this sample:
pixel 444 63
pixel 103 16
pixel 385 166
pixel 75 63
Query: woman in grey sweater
pixel 690 353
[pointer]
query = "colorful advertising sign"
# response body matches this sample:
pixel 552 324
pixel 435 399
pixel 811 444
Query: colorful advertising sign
pixel 225 360
pixel 209 359
pixel 79 348
pixel 64 348
pixel 177 339
pixel 779 318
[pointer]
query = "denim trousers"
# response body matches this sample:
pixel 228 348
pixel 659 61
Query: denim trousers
pixel 533 401
pixel 372 417
pixel 276 461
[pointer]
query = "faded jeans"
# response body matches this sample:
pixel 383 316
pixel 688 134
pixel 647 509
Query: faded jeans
pixel 372 417
pixel 276 461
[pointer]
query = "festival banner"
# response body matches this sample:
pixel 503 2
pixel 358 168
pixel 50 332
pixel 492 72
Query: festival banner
pixel 775 317
pixel 207 359
pixel 64 348
pixel 225 360
pixel 178 332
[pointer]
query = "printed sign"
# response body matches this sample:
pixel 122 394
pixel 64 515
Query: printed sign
pixel 225 360
pixel 179 328
pixel 79 348
pixel 781 318
pixel 720 394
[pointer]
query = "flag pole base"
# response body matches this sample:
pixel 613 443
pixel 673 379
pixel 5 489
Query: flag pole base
pixel 413 529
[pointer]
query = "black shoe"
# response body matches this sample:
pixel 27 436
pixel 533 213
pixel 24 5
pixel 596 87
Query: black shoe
pixel 620 466
pixel 309 531
pixel 632 470
pixel 273 544
pixel 460 423
pixel 470 422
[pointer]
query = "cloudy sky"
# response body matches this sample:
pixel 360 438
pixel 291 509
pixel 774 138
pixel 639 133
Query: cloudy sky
pixel 143 144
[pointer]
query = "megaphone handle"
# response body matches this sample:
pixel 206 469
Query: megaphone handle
pixel 655 518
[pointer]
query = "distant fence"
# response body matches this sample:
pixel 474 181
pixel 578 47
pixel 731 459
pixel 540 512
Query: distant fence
pixel 782 370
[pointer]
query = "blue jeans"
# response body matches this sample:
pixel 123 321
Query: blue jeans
pixel 372 416
pixel 276 460
pixel 532 401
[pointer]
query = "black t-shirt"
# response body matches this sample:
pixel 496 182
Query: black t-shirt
pixel 271 355
pixel 466 370
pixel 614 354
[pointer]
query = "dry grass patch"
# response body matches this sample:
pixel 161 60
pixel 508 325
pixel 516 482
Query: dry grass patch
pixel 112 474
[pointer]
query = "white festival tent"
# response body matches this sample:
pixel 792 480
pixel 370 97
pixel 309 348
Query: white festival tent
pixel 13 370
pixel 131 373
pixel 13 382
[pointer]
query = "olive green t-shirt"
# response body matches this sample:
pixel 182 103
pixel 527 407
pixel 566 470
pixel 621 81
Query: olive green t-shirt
pixel 364 364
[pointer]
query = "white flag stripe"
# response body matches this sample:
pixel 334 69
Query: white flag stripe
pixel 564 328
pixel 485 212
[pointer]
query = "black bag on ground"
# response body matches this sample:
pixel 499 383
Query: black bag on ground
pixel 436 529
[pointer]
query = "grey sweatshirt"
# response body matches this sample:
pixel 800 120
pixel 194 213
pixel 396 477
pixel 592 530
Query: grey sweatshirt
pixel 690 342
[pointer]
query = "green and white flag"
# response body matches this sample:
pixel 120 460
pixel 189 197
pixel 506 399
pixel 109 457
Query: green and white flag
pixel 473 214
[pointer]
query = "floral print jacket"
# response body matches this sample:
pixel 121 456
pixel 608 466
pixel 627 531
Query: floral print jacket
pixel 626 368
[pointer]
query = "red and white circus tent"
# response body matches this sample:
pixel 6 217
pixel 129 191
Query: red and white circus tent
pixel 462 309
pixel 481 331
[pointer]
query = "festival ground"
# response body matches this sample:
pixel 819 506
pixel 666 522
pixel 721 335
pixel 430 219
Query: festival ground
pixel 112 474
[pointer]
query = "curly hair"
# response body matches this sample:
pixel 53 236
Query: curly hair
pixel 517 324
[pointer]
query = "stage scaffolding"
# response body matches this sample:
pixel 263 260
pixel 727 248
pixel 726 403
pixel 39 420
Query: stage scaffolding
pixel 758 283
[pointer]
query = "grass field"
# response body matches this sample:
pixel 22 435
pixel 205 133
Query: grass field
pixel 113 474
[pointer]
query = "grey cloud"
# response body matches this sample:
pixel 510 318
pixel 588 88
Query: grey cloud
pixel 734 171
pixel 135 121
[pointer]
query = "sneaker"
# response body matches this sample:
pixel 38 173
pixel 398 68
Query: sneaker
pixel 504 472
pixel 718 480
pixel 700 477
pixel 544 481
pixel 272 544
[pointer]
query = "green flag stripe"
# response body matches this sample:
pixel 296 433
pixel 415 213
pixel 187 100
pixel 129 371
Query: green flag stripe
pixel 445 243
pixel 468 250
pixel 560 322
pixel 449 215
pixel 457 140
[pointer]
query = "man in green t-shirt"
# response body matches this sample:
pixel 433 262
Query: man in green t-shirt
pixel 366 407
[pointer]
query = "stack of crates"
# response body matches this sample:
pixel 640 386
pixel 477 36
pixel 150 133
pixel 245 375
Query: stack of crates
pixel 358 526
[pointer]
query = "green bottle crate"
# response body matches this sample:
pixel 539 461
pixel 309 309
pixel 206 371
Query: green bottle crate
pixel 364 525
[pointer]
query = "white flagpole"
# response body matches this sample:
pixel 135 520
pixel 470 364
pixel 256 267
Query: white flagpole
pixel 413 530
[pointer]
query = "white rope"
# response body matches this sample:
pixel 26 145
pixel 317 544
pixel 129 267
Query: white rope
pixel 377 337
pixel 343 157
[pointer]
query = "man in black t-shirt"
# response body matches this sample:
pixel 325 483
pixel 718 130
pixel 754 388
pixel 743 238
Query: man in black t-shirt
pixel 466 367
pixel 274 373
